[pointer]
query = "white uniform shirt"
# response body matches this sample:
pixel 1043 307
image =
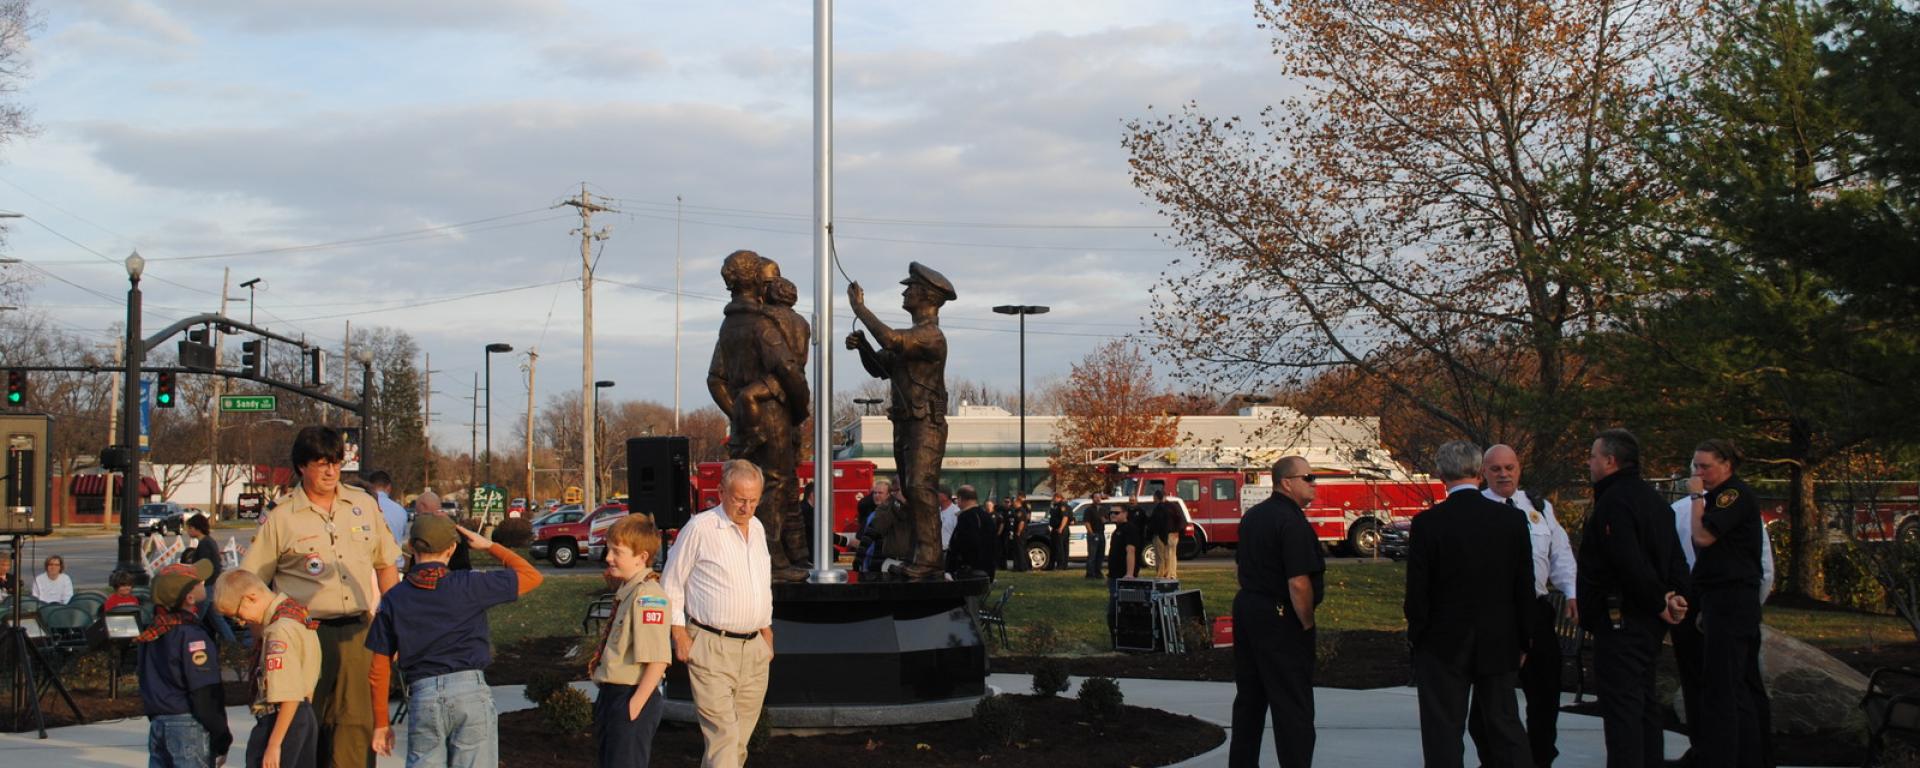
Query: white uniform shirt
pixel 1683 525
pixel 949 520
pixel 719 578
pixel 1552 551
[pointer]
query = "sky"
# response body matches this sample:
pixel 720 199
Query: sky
pixel 400 164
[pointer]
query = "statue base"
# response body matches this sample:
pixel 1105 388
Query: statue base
pixel 867 653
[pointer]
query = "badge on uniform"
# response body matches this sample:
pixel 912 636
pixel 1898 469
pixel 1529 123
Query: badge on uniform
pixel 197 645
pixel 652 600
pixel 315 565
pixel 1535 516
pixel 356 511
pixel 653 617
pixel 276 647
pixel 275 663
pixel 199 658
pixel 1727 498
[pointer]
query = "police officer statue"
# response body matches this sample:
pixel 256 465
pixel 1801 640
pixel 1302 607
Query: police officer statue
pixel 914 361
pixel 1281 583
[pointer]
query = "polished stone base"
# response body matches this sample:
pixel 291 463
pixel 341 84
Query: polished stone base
pixel 868 653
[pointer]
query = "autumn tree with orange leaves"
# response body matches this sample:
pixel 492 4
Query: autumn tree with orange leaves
pixel 1449 207
pixel 1112 399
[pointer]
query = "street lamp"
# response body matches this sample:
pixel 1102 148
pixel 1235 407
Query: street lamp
pixel 597 438
pixel 492 349
pixel 869 402
pixel 134 357
pixel 249 285
pixel 1022 310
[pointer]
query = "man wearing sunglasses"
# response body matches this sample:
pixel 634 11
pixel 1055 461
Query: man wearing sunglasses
pixel 1281 583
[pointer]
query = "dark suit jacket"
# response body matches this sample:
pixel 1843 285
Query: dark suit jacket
pixel 1470 582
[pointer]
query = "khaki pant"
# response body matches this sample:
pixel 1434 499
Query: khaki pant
pixel 1167 556
pixel 343 699
pixel 729 679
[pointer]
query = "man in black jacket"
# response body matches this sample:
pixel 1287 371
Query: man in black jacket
pixel 973 550
pixel 1632 583
pixel 1469 591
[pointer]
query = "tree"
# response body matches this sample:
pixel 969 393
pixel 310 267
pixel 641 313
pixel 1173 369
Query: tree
pixel 1115 402
pixel 1447 210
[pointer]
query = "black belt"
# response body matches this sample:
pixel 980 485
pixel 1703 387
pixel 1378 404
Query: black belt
pixel 724 633
pixel 342 621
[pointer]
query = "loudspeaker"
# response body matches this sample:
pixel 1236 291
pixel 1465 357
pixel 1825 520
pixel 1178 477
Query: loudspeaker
pixel 660 479
pixel 26 502
pixel 1135 628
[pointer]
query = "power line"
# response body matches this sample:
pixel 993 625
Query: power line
pixel 392 238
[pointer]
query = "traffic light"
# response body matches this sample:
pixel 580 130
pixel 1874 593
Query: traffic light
pixel 163 390
pixel 316 367
pixel 16 387
pixel 252 354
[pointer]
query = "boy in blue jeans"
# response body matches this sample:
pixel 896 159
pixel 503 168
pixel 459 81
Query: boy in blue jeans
pixel 435 622
pixel 180 675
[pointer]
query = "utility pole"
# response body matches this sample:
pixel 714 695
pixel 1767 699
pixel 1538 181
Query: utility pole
pixel 473 434
pixel 219 388
pixel 533 359
pixel 676 322
pixel 588 464
pixel 346 370
pixel 426 424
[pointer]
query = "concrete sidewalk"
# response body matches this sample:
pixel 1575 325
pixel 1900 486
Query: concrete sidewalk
pixel 1357 729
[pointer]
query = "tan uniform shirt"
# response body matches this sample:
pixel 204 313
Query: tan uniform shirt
pixel 289 662
pixel 325 558
pixel 638 634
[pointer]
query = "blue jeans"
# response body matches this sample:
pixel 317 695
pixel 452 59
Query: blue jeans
pixel 451 722
pixel 177 741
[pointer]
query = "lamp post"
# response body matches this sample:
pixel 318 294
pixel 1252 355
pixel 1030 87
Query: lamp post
pixel 597 439
pixel 250 285
pixel 135 356
pixel 492 349
pixel 869 402
pixel 1022 310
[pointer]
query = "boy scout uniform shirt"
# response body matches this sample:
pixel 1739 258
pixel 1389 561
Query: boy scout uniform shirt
pixel 639 633
pixel 324 558
pixel 289 662
pixel 174 665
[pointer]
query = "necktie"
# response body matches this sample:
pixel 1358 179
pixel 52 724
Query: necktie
pixel 1511 504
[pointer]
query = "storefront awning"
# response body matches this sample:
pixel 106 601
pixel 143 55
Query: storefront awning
pixel 96 485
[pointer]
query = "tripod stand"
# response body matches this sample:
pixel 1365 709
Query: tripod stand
pixel 20 655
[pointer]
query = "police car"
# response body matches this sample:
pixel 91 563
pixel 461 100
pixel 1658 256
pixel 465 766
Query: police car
pixel 1039 539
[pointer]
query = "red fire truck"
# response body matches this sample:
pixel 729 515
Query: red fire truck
pixel 852 480
pixel 1351 507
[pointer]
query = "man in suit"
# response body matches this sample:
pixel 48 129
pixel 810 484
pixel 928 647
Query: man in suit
pixel 1469 593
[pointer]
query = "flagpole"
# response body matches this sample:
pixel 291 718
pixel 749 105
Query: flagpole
pixel 823 565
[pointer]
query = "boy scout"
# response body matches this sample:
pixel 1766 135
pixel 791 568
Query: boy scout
pixel 436 622
pixel 630 663
pixel 180 675
pixel 288 667
pixel 318 547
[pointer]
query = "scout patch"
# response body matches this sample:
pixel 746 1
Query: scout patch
pixel 276 647
pixel 197 645
pixel 1727 498
pixel 275 663
pixel 199 658
pixel 651 600
pixel 653 617
pixel 315 565
pixel 356 511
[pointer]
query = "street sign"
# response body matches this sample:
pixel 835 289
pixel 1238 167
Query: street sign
pixel 573 494
pixel 248 403
pixel 489 501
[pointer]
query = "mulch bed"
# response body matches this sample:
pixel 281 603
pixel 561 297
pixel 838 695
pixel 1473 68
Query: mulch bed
pixel 1059 735
pixel 536 657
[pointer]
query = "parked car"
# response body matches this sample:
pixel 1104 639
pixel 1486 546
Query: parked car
pixel 1396 540
pixel 562 539
pixel 1039 539
pixel 603 518
pixel 555 515
pixel 162 516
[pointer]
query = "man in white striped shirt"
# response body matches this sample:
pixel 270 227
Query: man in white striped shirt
pixel 720 596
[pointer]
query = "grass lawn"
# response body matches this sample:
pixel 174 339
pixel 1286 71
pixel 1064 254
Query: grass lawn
pixel 556 608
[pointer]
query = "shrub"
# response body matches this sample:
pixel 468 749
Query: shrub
pixel 1000 720
pixel 1101 699
pixel 543 685
pixel 1851 581
pixel 1050 677
pixel 1041 638
pixel 514 533
pixel 567 711
pixel 91 670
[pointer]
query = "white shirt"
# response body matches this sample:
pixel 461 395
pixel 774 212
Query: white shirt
pixel 1552 550
pixel 719 578
pixel 949 520
pixel 1683 525
pixel 58 590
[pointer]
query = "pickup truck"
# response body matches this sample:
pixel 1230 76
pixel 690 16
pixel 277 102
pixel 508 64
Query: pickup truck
pixel 561 537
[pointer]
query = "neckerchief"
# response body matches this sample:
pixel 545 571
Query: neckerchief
pixel 164 620
pixel 292 609
pixel 427 575
pixel 607 630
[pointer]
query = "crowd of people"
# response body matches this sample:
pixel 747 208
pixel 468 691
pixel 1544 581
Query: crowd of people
pixel 1485 567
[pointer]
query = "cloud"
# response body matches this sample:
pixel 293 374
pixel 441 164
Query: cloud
pixel 291 16
pixel 136 18
pixel 601 61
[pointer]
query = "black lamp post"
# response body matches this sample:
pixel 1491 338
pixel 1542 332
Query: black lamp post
pixel 492 349
pixel 133 357
pixel 869 402
pixel 1022 310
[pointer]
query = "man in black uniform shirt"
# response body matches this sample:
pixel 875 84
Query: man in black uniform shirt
pixel 1281 582
pixel 1060 523
pixel 1017 534
pixel 1095 520
pixel 1123 557
pixel 1632 578
pixel 1726 581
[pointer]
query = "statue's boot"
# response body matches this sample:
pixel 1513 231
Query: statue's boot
pixel 789 573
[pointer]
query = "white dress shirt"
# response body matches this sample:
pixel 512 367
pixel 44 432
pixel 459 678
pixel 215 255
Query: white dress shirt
pixel 58 590
pixel 1552 551
pixel 719 578
pixel 949 520
pixel 1683 525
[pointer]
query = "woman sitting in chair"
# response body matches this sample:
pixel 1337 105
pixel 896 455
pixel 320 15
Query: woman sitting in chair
pixel 53 586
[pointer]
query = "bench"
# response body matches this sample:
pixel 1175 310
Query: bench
pixel 1892 707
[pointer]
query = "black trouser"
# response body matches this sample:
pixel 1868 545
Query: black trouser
pixel 1624 677
pixel 1272 671
pixel 1096 547
pixel 1451 694
pixel 618 739
pixel 1730 648
pixel 1540 679
pixel 1687 659
pixel 1059 551
pixel 300 748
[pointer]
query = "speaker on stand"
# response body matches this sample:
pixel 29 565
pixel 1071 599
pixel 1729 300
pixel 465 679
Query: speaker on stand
pixel 660 479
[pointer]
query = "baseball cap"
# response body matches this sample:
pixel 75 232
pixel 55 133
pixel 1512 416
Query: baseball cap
pixel 432 533
pixel 175 581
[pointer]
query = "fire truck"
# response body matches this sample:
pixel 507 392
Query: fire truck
pixel 852 480
pixel 1356 496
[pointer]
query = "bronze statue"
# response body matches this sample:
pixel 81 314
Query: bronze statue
pixel 758 379
pixel 914 360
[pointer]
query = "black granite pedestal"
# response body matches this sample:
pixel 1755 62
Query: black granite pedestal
pixel 884 652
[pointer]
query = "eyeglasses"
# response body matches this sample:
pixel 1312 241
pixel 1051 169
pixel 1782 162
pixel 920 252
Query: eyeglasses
pixel 1308 478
